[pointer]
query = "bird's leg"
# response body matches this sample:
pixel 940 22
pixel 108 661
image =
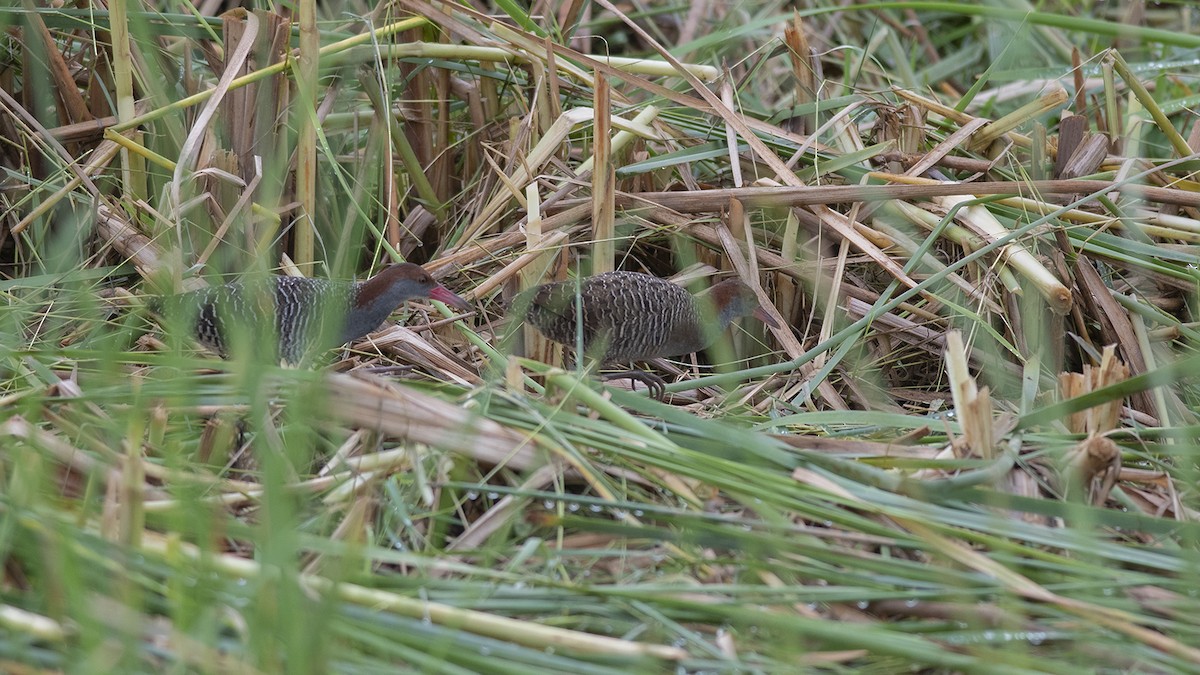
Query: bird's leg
pixel 654 384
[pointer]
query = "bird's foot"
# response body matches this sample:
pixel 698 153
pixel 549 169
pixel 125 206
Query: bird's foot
pixel 655 385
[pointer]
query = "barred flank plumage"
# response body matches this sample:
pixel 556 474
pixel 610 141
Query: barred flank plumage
pixel 291 307
pixel 629 316
pixel 306 316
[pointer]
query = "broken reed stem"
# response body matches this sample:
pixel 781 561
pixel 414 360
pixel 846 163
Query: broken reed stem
pixel 973 405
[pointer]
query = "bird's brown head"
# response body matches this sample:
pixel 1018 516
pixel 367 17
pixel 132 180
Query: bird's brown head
pixel 732 299
pixel 405 281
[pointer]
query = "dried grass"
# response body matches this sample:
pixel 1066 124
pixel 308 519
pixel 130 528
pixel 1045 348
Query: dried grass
pixel 887 481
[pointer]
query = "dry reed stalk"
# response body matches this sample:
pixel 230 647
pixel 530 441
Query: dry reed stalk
pixel 533 267
pixel 1160 225
pixel 133 246
pixel 401 340
pixel 828 321
pixel 406 413
pixel 190 154
pixel 523 175
pixel 981 220
pixel 804 65
pixel 715 199
pixel 442 141
pixel 972 404
pixel 533 259
pixel 731 143
pixel 976 291
pixel 133 166
pixel 604 231
pixel 787 289
pixel 70 456
pixel 958 117
pixel 1099 419
pixel 638 127
pixel 1115 323
pixel 993 131
pixel 304 120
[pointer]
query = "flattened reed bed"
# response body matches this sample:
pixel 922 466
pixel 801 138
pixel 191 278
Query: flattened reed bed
pixel 969 446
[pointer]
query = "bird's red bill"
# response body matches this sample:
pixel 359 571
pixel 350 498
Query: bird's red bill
pixel 761 315
pixel 443 294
